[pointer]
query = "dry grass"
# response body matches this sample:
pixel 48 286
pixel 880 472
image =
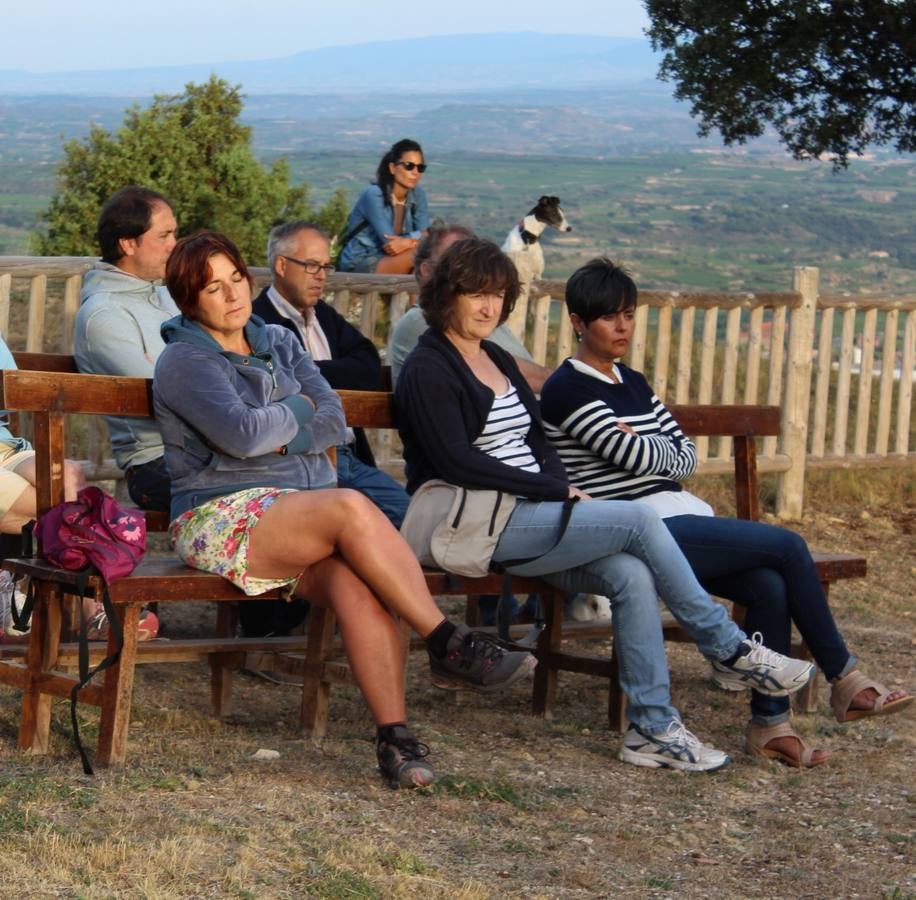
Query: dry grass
pixel 525 807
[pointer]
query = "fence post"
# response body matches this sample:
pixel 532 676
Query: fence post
pixel 790 489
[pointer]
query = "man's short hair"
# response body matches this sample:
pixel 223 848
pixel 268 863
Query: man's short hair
pixel 126 214
pixel 600 288
pixel 437 232
pixel 282 237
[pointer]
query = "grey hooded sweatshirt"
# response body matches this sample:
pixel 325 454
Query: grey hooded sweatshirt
pixel 117 333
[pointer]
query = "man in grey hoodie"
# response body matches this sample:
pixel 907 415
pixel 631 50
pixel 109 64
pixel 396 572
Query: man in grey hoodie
pixel 117 327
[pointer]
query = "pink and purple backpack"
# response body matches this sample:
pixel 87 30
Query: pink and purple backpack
pixel 89 535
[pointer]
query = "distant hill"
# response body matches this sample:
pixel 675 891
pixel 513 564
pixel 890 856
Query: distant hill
pixel 469 62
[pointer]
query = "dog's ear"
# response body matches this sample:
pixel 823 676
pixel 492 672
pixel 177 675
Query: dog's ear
pixel 555 201
pixel 544 201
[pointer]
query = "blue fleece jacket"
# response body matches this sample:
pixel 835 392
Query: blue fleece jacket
pixel 232 422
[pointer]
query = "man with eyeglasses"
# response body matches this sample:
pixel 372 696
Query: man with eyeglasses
pixel 299 258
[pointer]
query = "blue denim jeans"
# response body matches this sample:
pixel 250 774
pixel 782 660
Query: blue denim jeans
pixel 769 571
pixel 380 488
pixel 623 550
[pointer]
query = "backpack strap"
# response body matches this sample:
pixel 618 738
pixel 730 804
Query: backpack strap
pixel 353 232
pixel 85 673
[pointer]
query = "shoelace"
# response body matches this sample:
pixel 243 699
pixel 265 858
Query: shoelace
pixel 766 656
pixel 410 748
pixel 677 731
pixel 489 649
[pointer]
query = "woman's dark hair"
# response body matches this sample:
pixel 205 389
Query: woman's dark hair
pixel 600 288
pixel 188 269
pixel 126 214
pixel 471 266
pixel 383 177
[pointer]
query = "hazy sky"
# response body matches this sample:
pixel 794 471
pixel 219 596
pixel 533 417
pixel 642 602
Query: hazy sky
pixel 54 35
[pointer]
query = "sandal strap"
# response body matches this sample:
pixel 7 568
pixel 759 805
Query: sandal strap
pixel 758 736
pixel 842 692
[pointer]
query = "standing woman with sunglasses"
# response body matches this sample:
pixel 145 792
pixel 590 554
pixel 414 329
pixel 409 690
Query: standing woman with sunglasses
pixel 390 217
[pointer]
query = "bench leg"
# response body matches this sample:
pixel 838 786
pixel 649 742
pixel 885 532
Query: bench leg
pixel 118 691
pixel 544 692
pixel 617 699
pixel 316 689
pixel 220 673
pixel 41 657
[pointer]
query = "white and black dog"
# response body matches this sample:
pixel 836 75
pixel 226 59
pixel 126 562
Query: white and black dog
pixel 523 243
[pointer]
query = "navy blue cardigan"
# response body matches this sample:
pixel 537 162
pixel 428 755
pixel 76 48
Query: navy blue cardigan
pixel 442 408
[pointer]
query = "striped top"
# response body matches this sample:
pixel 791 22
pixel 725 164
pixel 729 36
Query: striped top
pixel 503 435
pixel 582 409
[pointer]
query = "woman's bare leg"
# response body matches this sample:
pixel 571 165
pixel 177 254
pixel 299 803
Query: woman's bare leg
pixel 369 633
pixel 399 264
pixel 301 529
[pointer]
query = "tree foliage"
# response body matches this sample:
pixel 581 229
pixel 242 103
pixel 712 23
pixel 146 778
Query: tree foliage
pixel 193 150
pixel 832 77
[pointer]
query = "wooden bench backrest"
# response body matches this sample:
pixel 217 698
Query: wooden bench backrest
pixel 51 395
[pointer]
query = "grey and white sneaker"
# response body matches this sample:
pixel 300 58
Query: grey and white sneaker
pixel 674 748
pixel 764 670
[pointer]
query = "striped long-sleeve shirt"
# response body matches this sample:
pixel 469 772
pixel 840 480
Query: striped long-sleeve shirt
pixel 581 410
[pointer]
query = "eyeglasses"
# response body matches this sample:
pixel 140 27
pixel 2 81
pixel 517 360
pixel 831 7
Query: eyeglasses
pixel 410 166
pixel 311 266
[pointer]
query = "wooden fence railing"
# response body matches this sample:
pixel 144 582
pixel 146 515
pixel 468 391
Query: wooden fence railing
pixel 841 368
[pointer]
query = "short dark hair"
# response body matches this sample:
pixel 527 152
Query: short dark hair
pixel 600 288
pixel 437 232
pixel 188 269
pixel 471 266
pixel 282 237
pixel 126 214
pixel 383 177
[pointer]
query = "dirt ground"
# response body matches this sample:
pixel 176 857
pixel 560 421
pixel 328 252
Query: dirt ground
pixel 524 808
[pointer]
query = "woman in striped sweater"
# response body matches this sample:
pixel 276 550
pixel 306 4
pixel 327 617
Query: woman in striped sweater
pixel 467 416
pixel 617 441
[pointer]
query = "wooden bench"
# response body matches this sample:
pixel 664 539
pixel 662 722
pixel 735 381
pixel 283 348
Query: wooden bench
pixel 52 396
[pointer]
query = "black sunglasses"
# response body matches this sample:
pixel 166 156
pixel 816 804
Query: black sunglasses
pixel 410 166
pixel 311 266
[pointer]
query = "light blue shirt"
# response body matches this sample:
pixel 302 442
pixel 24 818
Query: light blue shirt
pixel 6 436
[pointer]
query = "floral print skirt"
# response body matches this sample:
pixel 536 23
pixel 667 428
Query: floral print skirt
pixel 213 537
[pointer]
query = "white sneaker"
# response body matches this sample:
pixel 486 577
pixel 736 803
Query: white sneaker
pixel 675 748
pixel 763 670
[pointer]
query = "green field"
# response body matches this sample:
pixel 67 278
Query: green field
pixel 722 221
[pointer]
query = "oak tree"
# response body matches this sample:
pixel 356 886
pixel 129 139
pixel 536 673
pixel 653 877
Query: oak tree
pixel 831 77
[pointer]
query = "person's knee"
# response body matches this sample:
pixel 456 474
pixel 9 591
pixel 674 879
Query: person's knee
pixel 627 579
pixel 356 508
pixel 764 586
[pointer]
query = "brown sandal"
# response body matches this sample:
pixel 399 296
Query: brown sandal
pixel 843 691
pixel 757 737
